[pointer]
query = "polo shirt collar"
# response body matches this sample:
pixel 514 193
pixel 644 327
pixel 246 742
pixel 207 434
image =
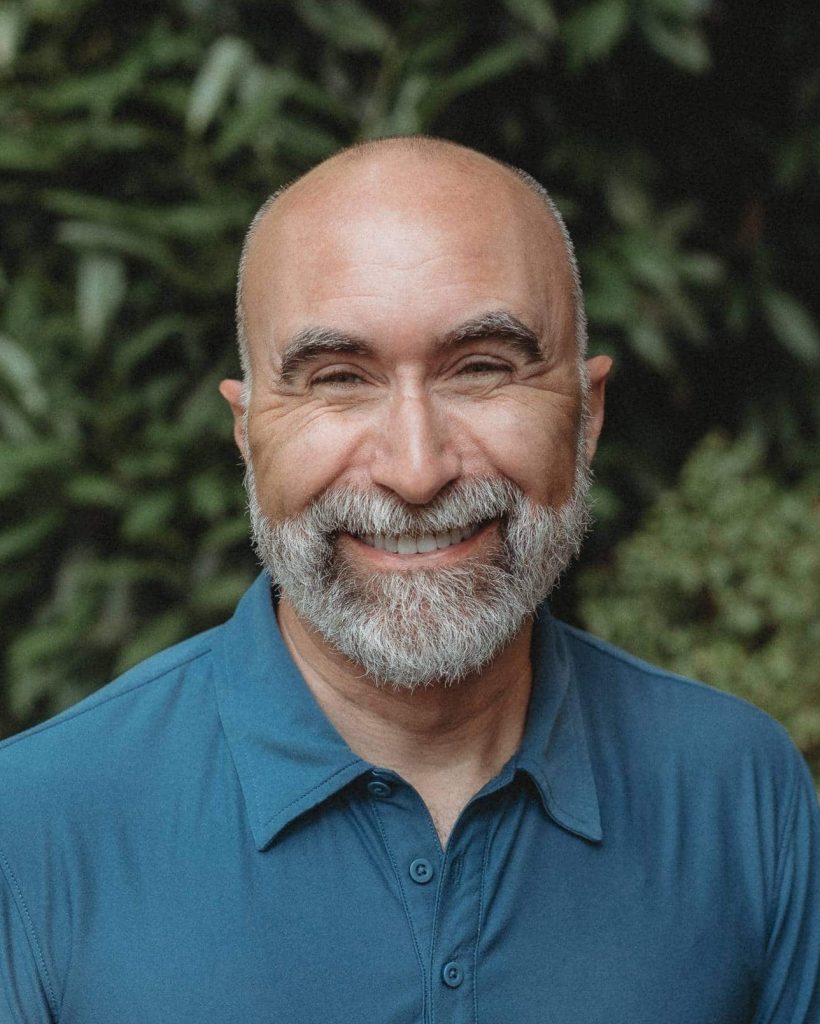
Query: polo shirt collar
pixel 554 751
pixel 289 758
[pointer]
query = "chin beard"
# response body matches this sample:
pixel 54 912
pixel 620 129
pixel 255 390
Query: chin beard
pixel 421 627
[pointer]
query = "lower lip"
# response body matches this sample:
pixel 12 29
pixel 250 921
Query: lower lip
pixel 393 560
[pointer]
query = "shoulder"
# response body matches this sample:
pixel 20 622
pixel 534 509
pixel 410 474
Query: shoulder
pixel 82 791
pixel 77 752
pixel 684 759
pixel 670 718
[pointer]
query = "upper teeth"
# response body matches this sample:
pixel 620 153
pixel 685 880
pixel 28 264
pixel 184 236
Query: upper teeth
pixel 404 544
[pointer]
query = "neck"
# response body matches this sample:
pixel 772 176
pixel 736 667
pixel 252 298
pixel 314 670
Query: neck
pixel 445 741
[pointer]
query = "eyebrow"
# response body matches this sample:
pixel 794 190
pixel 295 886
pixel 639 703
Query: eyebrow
pixel 312 343
pixel 497 324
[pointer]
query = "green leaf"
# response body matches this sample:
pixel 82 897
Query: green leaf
pixel 609 295
pixel 702 268
pixel 536 14
pixel 434 51
pixel 131 352
pixel 21 151
pixel 680 9
pixel 12 28
pixel 685 315
pixel 23 308
pixel 648 262
pixel 261 95
pixel 226 59
pixel 604 502
pixel 683 45
pixel 594 31
pixel 18 369
pixel 101 285
pixel 94 490
pixel 148 515
pixel 34 457
pixel 33 659
pixel 199 221
pixel 111 571
pixel 792 325
pixel 154 635
pixel 628 201
pixel 487 67
pixel 88 235
pixel 145 465
pixel 405 116
pixel 308 143
pixel 17 541
pixel 650 344
pixel 221 594
pixel 230 533
pixel 47 10
pixel 208 497
pixel 84 235
pixel 15 427
pixel 345 23
pixel 95 90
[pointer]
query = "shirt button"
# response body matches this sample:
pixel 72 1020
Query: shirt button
pixel 421 871
pixel 378 788
pixel 452 974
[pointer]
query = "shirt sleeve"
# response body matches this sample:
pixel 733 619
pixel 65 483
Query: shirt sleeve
pixel 790 993
pixel 23 996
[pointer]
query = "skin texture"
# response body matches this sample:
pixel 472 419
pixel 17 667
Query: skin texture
pixel 397 248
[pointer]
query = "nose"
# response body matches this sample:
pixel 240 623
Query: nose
pixel 416 456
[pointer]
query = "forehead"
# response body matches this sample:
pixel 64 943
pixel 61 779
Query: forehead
pixel 405 238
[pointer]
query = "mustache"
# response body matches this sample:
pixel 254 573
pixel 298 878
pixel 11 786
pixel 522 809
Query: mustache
pixel 463 504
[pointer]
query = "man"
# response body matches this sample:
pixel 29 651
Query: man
pixel 393 788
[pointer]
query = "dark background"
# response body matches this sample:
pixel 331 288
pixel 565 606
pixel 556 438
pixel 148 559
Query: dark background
pixel 680 138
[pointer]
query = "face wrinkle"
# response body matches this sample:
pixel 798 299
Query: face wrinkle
pixel 419 627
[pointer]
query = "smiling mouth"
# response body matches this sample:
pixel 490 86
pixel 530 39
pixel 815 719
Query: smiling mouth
pixel 405 544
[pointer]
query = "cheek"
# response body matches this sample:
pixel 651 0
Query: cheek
pixel 533 447
pixel 294 461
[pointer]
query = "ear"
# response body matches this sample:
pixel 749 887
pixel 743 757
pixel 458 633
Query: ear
pixel 231 391
pixel 598 370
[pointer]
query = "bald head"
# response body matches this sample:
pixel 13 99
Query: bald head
pixel 392 181
pixel 412 317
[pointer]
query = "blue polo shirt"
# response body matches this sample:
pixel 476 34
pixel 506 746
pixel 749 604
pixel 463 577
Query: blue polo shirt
pixel 196 843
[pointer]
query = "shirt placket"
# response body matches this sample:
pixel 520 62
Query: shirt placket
pixel 411 844
pixel 442 891
pixel 453 960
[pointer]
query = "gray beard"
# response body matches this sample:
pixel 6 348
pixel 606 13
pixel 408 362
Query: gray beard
pixel 420 627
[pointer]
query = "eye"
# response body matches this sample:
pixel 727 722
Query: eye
pixel 338 378
pixel 483 366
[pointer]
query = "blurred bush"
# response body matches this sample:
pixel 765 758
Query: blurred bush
pixel 680 139
pixel 721 581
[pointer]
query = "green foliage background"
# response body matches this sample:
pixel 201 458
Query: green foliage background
pixel 681 138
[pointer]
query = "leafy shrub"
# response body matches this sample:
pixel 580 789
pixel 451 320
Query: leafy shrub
pixel 721 582
pixel 135 144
